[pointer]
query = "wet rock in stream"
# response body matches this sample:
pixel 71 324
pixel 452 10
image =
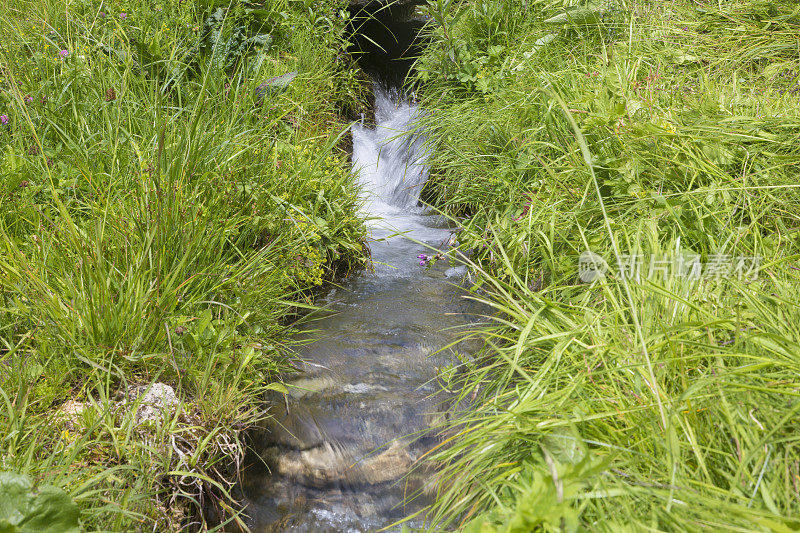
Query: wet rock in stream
pixel 327 433
pixel 343 445
pixel 326 465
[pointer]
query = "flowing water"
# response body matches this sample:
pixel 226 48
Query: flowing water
pixel 338 450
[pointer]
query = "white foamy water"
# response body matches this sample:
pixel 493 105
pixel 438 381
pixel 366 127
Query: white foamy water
pixel 390 162
pixel 390 159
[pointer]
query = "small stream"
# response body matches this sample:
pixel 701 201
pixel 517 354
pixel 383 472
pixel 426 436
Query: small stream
pixel 338 452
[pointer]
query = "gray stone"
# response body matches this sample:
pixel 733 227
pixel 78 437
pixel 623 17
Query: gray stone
pixel 153 401
pixel 70 414
pixel 456 272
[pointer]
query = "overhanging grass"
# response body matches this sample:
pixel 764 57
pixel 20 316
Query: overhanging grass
pixel 659 129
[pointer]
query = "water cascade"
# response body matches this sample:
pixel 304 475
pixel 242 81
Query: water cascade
pixel 340 453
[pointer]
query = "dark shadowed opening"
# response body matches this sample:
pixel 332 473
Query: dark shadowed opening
pixel 385 39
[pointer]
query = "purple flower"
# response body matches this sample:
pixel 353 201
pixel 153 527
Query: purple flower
pixel 102 14
pixel 29 99
pixel 123 15
pixel 422 256
pixel 3 119
pixel 64 53
pixel 421 263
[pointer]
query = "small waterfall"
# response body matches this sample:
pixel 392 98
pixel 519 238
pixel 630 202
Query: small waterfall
pixel 390 159
pixel 390 164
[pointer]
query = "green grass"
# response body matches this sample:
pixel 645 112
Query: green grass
pixel 656 128
pixel 161 221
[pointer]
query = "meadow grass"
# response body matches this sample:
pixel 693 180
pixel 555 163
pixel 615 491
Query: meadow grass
pixel 661 130
pixel 163 216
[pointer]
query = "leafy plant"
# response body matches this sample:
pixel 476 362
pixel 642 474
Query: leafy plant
pixel 24 508
pixel 161 232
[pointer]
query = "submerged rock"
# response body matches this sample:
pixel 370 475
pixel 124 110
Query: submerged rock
pixel 326 465
pixel 293 428
pixel 392 464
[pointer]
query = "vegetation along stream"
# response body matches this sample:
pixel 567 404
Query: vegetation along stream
pixel 243 246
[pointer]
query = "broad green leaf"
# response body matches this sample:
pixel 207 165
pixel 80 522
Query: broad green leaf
pixel 576 15
pixel 277 387
pixel 44 509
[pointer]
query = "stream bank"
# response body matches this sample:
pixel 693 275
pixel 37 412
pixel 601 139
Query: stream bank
pixel 660 394
pixel 162 213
